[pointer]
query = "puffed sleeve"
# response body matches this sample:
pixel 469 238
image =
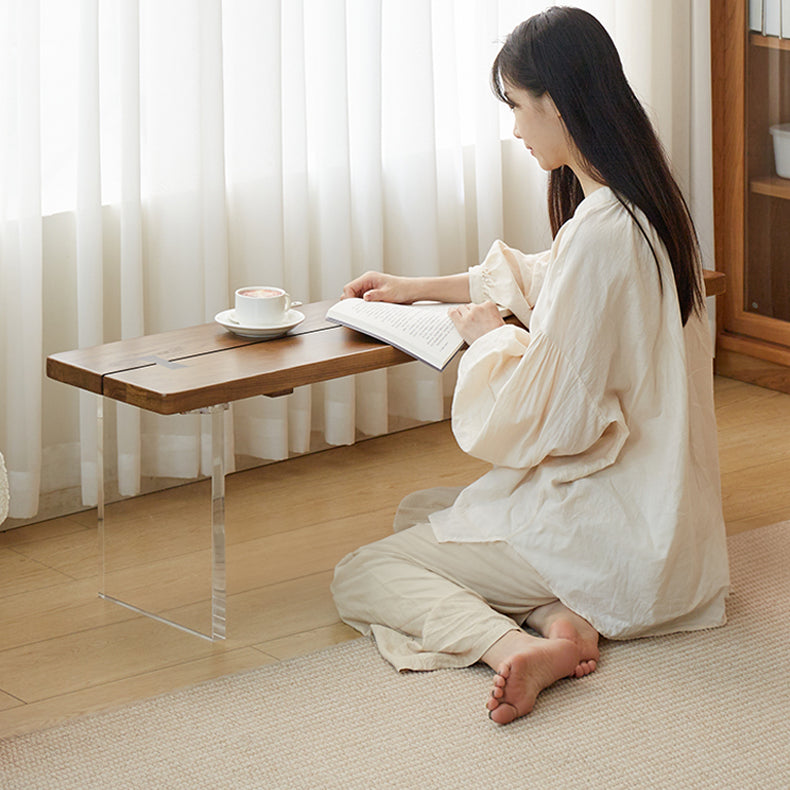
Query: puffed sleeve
pixel 510 278
pixel 519 403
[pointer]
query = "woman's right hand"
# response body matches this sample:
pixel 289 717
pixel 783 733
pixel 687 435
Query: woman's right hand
pixel 380 287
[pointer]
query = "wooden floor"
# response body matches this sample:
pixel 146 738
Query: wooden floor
pixel 65 652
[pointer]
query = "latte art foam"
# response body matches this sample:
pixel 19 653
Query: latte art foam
pixel 260 293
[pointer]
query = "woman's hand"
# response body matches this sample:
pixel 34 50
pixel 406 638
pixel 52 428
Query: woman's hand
pixel 380 287
pixel 475 320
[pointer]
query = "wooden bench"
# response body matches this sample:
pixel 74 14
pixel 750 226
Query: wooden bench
pixel 203 368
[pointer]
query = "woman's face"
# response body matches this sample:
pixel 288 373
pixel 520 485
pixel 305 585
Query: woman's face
pixel 539 126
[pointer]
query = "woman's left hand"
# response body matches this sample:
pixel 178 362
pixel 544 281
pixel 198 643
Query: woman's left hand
pixel 475 320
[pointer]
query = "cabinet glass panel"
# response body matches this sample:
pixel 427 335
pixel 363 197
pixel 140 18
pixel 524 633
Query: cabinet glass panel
pixel 767 270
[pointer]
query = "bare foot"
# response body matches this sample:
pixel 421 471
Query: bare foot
pixel 534 665
pixel 588 649
pixel 556 621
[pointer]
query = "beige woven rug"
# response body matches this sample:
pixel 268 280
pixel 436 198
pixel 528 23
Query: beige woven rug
pixel 704 710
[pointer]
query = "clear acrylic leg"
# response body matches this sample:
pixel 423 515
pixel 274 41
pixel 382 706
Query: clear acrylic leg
pixel 162 553
pixel 218 585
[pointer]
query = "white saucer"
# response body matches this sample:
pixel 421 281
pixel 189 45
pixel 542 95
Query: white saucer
pixel 227 318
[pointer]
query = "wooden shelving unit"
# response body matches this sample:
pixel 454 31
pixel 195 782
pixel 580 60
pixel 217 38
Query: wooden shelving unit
pixel 751 92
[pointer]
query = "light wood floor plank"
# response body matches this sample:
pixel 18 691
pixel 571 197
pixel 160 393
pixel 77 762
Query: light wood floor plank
pixel 67 608
pixel 75 556
pixel 758 489
pixel 279 610
pixel 42 531
pixel 7 702
pixel 91 658
pixel 19 573
pixel 303 643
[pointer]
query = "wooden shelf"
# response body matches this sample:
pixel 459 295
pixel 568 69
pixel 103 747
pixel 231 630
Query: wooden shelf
pixel 771 42
pixel 773 186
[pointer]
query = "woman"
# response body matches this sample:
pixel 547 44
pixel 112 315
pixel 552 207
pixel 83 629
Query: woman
pixel 602 511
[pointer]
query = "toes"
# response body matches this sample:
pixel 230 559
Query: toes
pixel 588 666
pixel 503 714
pixel 499 681
pixel 504 671
pixel 584 668
pixel 497 693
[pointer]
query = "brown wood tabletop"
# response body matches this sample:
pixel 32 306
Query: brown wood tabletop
pixel 272 368
pixel 200 366
pixel 85 368
pixel 197 367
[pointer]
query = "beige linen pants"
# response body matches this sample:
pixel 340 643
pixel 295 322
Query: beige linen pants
pixel 431 605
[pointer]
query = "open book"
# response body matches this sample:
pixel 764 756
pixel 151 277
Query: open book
pixel 423 329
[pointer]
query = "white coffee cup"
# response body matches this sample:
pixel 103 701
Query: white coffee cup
pixel 261 305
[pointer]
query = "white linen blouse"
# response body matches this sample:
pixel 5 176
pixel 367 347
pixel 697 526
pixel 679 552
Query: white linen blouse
pixel 600 426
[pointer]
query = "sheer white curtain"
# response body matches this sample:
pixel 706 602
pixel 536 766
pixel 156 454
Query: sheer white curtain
pixel 158 154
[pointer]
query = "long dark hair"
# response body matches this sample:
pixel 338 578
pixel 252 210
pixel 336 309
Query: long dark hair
pixel 568 54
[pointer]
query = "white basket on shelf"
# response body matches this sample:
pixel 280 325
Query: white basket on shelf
pixel 781 137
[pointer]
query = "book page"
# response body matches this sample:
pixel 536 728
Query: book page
pixel 423 330
pixel 427 324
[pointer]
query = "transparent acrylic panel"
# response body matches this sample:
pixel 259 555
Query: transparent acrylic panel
pixel 767 232
pixel 162 552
